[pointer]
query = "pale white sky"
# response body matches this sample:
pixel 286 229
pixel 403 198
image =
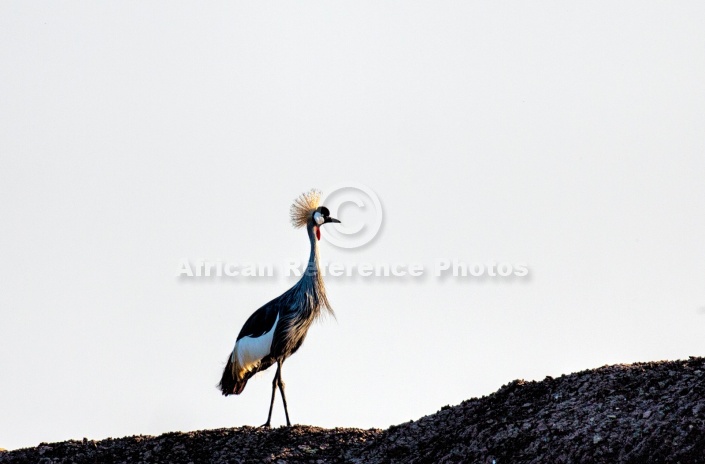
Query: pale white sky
pixel 133 134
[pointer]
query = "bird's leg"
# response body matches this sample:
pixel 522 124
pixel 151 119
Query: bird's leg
pixel 274 391
pixel 281 390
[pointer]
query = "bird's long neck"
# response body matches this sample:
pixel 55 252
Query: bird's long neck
pixel 313 256
pixel 312 278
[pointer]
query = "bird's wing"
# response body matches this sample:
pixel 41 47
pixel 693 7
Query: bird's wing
pixel 254 343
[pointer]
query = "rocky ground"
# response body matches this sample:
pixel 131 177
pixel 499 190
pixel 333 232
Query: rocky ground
pixel 639 413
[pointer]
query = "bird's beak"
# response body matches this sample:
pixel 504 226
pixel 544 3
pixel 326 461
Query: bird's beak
pixel 334 220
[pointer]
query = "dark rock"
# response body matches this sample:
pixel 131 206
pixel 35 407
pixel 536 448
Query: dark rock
pixel 641 413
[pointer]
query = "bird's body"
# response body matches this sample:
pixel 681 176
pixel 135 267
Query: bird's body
pixel 276 330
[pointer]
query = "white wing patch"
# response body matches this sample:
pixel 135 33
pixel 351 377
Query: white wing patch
pixel 250 351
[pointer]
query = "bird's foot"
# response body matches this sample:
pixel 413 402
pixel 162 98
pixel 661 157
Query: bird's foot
pixel 265 426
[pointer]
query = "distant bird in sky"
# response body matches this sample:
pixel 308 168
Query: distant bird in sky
pixel 276 330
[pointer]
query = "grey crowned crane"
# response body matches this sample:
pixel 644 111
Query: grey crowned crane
pixel 276 330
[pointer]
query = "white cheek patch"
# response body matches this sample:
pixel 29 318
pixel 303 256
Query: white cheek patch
pixel 318 218
pixel 250 351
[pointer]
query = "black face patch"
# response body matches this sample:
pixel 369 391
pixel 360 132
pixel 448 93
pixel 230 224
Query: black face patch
pixel 323 210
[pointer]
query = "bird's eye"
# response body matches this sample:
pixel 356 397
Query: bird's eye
pixel 318 218
pixel 324 211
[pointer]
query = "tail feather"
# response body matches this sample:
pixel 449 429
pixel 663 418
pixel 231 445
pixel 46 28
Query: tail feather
pixel 229 383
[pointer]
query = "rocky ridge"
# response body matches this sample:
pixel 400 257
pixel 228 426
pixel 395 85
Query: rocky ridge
pixel 639 413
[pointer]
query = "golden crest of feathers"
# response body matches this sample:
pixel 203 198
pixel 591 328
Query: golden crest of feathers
pixel 304 206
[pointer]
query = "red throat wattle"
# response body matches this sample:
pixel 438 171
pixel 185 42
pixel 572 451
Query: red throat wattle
pixel 318 232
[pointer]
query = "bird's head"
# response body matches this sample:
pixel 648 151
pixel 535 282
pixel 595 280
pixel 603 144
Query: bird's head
pixel 321 216
pixel 306 212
